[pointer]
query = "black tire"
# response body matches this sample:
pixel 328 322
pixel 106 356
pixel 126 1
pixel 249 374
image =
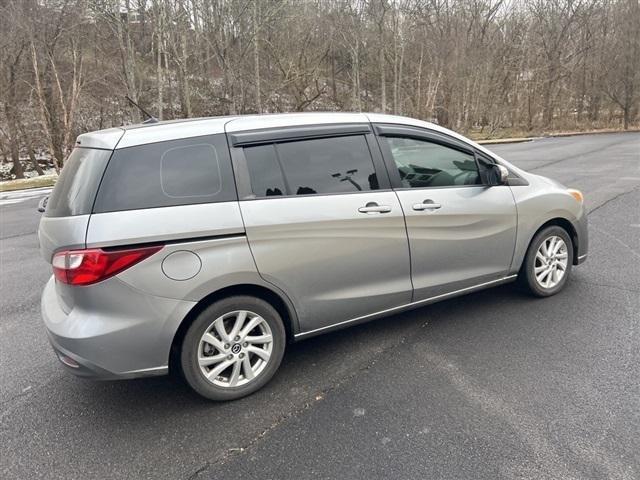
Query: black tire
pixel 196 379
pixel 527 272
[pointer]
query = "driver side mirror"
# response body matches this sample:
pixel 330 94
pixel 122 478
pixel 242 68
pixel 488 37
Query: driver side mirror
pixel 497 175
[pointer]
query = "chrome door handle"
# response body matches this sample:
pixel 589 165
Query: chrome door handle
pixel 373 207
pixel 427 205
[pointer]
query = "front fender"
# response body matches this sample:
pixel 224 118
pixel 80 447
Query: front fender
pixel 542 202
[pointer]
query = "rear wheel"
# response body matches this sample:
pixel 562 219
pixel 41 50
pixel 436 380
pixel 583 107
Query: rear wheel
pixel 233 348
pixel 548 262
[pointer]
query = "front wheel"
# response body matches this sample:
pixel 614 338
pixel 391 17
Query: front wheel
pixel 233 348
pixel 548 262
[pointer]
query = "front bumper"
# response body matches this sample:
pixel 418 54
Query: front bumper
pixel 113 331
pixel 582 233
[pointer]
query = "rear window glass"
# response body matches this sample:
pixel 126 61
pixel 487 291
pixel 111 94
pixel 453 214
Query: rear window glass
pixel 163 174
pixel 76 187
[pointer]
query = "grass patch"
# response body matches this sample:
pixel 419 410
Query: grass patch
pixel 23 183
pixel 500 134
pixel 520 135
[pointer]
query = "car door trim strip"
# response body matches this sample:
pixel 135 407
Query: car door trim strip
pixel 407 306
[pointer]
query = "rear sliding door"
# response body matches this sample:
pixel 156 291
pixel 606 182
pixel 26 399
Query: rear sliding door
pixel 322 222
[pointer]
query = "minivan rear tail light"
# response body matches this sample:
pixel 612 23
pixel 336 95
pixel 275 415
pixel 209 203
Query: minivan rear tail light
pixel 84 267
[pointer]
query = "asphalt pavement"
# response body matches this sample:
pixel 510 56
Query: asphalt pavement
pixel 492 385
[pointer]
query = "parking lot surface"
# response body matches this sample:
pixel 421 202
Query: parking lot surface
pixel 496 384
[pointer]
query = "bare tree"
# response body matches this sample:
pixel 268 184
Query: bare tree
pixel 13 59
pixel 58 99
pixel 479 66
pixel 622 78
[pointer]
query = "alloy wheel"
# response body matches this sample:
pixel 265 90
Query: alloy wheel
pixel 551 262
pixel 235 348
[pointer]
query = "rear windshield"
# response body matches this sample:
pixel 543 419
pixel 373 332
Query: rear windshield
pixel 76 187
pixel 170 173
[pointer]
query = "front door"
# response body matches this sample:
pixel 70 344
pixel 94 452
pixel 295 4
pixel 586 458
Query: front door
pixel 461 232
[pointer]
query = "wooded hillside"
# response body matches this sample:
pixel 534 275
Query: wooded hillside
pixel 472 65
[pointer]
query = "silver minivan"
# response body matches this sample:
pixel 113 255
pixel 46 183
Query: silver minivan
pixel 204 246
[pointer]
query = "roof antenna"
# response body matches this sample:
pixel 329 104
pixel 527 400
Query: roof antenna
pixel 151 118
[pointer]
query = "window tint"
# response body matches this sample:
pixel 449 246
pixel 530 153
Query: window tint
pixel 264 171
pixel 76 187
pixel 190 171
pixel 327 165
pixel 426 164
pixel 486 172
pixel 177 172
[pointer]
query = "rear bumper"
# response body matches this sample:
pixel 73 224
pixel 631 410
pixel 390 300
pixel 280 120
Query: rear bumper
pixel 117 333
pixel 82 367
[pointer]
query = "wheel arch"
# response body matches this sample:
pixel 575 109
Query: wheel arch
pixel 277 300
pixel 567 226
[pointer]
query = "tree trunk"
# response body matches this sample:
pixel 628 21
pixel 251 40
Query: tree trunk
pixel 398 107
pixel 395 69
pixel 159 75
pixel 625 117
pixel 548 100
pixel 14 145
pixel 34 161
pixel 159 43
pixel 256 55
pixel 29 144
pixel 355 54
pixel 334 88
pixel 166 69
pixel 11 112
pixel 127 57
pixel 45 114
pixel 186 90
pixel 383 82
pixel 418 104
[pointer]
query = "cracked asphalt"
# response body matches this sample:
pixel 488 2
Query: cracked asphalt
pixel 496 384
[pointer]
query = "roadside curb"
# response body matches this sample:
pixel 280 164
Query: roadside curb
pixel 597 132
pixel 497 141
pixel 25 191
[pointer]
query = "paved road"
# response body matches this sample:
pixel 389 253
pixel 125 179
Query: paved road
pixel 492 385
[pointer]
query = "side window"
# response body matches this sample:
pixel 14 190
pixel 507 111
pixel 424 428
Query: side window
pixel 265 173
pixel 190 171
pixel 308 167
pixel 425 164
pixel 163 174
